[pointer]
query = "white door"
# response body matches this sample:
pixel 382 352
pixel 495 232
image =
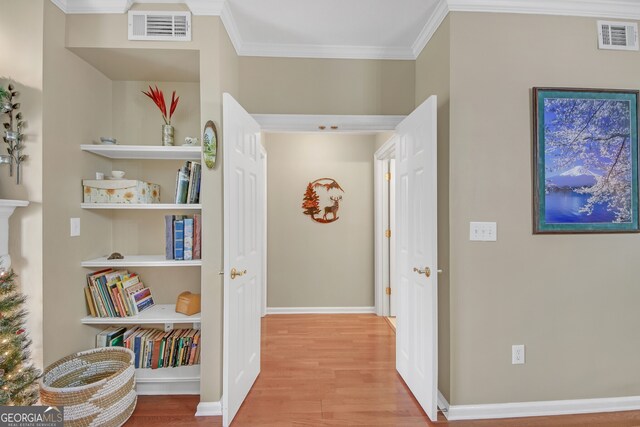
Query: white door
pixel 242 255
pixel 416 255
pixel 393 297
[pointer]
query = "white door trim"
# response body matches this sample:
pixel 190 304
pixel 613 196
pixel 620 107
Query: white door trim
pixel 312 122
pixel 381 217
pixel 263 156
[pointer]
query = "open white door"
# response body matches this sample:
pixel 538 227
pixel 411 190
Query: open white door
pixel 416 255
pixel 242 255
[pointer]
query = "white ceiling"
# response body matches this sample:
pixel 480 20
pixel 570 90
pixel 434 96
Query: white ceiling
pixel 366 29
pixel 388 27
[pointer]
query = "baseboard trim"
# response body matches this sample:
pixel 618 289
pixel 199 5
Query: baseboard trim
pixel 545 408
pixel 443 404
pixel 209 409
pixel 321 310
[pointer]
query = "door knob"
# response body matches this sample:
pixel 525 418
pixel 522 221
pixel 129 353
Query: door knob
pixel 236 273
pixel 426 271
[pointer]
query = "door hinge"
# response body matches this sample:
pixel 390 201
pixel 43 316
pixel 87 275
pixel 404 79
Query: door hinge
pixel 387 233
pixel 387 176
pixel 388 290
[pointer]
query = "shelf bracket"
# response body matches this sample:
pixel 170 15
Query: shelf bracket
pixel 168 327
pixel 196 325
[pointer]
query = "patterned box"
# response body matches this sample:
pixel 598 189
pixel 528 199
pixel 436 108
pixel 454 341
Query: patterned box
pixel 120 191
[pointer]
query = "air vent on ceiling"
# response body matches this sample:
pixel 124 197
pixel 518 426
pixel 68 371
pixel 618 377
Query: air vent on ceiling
pixel 170 26
pixel 618 35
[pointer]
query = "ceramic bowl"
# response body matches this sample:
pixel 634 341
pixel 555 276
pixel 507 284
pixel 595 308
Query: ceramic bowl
pixel 108 140
pixel 117 174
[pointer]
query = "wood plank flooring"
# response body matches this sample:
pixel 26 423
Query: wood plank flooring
pixel 334 370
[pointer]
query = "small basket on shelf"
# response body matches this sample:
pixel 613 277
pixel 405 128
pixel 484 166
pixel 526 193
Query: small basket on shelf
pixel 96 387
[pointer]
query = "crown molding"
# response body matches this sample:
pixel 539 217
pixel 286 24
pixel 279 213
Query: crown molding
pixel 439 14
pixel 232 28
pixel 197 7
pixel 324 51
pixel 616 9
pixel 622 9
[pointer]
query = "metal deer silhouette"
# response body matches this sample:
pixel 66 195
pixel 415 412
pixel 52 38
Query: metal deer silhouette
pixel 333 209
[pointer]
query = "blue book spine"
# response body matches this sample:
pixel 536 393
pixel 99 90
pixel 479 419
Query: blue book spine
pixel 178 240
pixel 188 238
pixel 168 236
pixel 136 350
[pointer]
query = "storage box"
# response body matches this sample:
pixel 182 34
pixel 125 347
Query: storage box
pixel 120 191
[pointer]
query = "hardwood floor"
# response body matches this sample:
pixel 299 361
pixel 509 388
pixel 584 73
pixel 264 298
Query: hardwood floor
pixel 334 370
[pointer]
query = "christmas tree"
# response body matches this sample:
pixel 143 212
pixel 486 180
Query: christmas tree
pixel 310 202
pixel 18 386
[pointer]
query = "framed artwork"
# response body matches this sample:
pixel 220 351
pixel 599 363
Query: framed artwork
pixel 585 161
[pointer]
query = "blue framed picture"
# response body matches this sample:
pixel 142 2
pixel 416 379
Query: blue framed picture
pixel 585 161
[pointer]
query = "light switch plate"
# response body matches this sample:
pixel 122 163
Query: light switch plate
pixel 483 231
pixel 75 227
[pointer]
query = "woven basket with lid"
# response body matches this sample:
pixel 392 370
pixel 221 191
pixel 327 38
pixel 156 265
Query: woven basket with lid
pixel 96 387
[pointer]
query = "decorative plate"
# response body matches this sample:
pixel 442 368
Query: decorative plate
pixel 210 144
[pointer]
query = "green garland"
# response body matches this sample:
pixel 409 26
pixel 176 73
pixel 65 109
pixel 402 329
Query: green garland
pixel 18 377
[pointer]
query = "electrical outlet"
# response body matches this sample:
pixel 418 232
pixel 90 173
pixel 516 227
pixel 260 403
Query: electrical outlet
pixel 483 231
pixel 517 354
pixel 75 227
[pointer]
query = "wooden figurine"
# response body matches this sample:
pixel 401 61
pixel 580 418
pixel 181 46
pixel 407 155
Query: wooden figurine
pixel 188 303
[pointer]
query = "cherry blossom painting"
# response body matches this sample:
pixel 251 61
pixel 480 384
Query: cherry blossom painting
pixel 586 161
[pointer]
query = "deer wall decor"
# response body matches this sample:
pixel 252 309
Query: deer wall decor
pixel 333 209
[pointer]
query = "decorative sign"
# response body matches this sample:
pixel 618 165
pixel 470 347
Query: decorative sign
pixel 329 196
pixel 210 144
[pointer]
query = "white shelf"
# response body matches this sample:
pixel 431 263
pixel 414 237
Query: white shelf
pixel 150 152
pixel 134 206
pixel 140 261
pixel 157 315
pixel 180 380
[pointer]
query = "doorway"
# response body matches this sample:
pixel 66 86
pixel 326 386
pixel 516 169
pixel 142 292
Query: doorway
pixel 416 245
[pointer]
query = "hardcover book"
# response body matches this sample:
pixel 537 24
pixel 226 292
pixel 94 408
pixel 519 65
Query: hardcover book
pixel 188 238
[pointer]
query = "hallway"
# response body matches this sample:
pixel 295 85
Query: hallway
pixel 334 370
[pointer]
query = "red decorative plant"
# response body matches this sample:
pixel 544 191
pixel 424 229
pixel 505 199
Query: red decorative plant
pixel 158 97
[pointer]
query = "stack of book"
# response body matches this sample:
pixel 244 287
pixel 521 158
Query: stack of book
pixel 155 348
pixel 182 236
pixel 116 293
pixel 188 183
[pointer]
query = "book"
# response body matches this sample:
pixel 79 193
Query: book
pixel 168 236
pixel 178 239
pixel 194 183
pixel 90 303
pixel 188 238
pixel 110 337
pixel 182 185
pixel 197 236
pixel 197 196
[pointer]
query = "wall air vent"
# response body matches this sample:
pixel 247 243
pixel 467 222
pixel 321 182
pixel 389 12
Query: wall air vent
pixel 618 35
pixel 159 26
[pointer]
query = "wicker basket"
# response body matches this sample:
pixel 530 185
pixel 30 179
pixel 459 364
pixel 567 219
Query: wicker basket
pixel 96 387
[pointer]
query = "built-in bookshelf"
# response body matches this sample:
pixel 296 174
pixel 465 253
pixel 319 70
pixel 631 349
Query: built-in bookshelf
pixel 144 152
pixel 140 261
pixel 142 206
pixel 172 380
pixel 159 314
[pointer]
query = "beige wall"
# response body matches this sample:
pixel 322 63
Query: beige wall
pixel 77 108
pixel 432 78
pixel 571 299
pixel 21 62
pixel 311 264
pixel 326 86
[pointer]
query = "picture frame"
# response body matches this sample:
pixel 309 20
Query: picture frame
pixel 585 161
pixel 210 144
